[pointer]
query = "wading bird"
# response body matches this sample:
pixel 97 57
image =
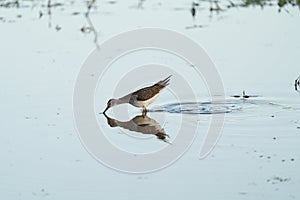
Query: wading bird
pixel 142 97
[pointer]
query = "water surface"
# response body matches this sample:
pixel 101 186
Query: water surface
pixel 254 49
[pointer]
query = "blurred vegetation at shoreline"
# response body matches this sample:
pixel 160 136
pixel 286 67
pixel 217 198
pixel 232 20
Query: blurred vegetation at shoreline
pixel 44 8
pixel 214 4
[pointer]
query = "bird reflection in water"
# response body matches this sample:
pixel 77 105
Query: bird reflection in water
pixel 142 124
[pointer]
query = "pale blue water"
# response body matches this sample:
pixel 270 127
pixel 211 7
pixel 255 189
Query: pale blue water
pixel 257 156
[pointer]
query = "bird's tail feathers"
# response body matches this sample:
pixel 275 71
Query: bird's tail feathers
pixel 164 82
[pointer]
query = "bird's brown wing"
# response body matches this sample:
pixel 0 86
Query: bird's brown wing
pixel 149 92
pixel 146 93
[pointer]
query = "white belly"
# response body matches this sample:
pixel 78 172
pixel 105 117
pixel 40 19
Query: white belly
pixel 145 103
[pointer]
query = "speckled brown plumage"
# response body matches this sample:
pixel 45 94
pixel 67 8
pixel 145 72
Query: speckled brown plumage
pixel 148 92
pixel 142 97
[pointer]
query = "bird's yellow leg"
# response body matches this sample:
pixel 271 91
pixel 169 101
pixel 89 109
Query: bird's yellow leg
pixel 144 113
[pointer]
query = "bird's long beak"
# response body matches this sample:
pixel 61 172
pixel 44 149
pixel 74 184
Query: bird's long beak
pixel 105 109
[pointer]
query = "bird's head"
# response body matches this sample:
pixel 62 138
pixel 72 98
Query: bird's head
pixel 110 103
pixel 162 135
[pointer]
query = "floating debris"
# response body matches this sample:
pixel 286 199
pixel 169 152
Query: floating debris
pixel 112 2
pixel 75 13
pixel 49 4
pixel 10 4
pixel 40 14
pixel 193 11
pixel 195 26
pixel 141 4
pixel 243 193
pixel 41 193
pixel 57 28
pixel 86 29
pixel 297 84
pixel 244 95
pixel 277 179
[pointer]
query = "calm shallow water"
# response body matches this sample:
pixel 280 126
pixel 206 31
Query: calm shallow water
pixel 257 156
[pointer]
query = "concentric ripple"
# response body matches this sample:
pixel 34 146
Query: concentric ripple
pixel 198 108
pixel 247 107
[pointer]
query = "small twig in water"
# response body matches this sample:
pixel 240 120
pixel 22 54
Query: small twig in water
pixel 92 27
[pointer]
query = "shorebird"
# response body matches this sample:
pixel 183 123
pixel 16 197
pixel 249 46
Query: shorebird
pixel 142 97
